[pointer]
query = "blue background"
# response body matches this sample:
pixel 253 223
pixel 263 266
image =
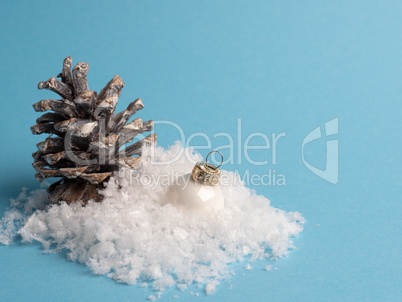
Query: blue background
pixel 284 66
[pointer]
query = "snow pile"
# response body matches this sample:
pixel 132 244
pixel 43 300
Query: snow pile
pixel 134 236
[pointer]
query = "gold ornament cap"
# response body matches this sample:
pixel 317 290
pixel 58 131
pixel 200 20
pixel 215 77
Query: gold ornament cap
pixel 206 173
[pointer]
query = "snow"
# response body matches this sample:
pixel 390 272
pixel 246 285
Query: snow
pixel 210 287
pixel 134 236
pixel 248 267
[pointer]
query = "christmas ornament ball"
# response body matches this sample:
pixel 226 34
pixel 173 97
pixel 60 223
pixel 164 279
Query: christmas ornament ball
pixel 188 194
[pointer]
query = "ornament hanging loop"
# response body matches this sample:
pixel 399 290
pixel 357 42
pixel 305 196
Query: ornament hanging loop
pixel 206 173
pixel 206 159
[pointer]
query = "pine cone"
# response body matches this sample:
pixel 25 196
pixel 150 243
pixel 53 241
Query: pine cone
pixel 85 135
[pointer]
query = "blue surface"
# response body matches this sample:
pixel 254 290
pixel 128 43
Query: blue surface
pixel 282 67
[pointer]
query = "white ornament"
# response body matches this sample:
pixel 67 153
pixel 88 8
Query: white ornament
pixel 198 191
